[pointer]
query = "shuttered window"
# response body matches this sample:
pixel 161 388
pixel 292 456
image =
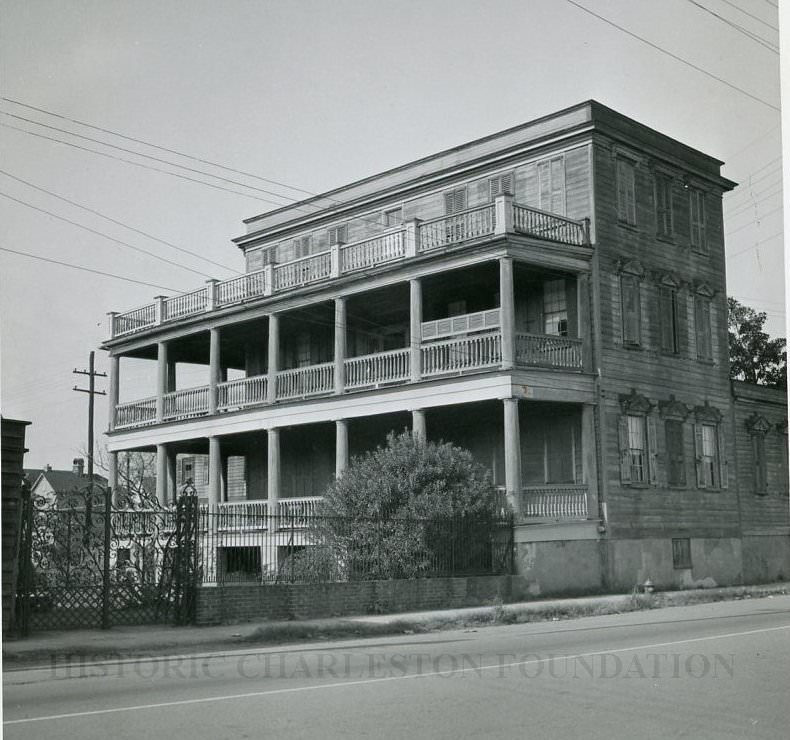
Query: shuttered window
pixel 501 184
pixel 676 462
pixel 455 201
pixel 555 308
pixel 702 327
pixel 337 234
pixel 664 206
pixel 301 246
pixel 551 185
pixel 632 312
pixel 760 463
pixel 638 458
pixel 670 317
pixel 707 449
pixel 698 236
pixel 393 217
pixel 626 191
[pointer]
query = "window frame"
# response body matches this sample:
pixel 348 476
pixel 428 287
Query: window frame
pixel 637 408
pixel 681 553
pixel 698 237
pixel 497 185
pixel 663 186
pixel 675 458
pixel 625 174
pixel 631 324
pixel 389 222
pixel 703 327
pixel 337 234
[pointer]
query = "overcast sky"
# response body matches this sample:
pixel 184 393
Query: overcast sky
pixel 314 94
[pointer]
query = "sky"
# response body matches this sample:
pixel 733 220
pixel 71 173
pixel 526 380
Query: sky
pixel 312 94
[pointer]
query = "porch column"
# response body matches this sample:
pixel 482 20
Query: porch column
pixel 223 476
pixel 162 378
pixel 341 446
pixel 418 426
pixel 512 454
pixel 214 471
pixel 415 329
pixel 508 311
pixel 274 357
pixel 590 459
pixel 112 391
pixel 213 370
pixel 172 492
pixel 161 474
pixel 273 469
pixel 112 475
pixel 340 345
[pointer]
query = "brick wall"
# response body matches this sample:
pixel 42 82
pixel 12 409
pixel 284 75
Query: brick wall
pixel 245 602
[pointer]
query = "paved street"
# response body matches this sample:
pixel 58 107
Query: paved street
pixel 709 671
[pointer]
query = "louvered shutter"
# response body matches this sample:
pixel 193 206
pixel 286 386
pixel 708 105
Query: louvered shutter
pixel 631 309
pixel 622 196
pixel 625 452
pixel 557 204
pixel 724 469
pixel 666 318
pixel 652 451
pixel 698 456
pixel 531 187
pixel 630 195
pixel 682 322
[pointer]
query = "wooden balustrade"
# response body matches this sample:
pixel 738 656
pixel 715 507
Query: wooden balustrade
pixel 372 252
pixel 186 304
pixel 301 382
pixel 550 226
pixel 135 320
pixel 186 403
pixel 135 413
pixel 463 353
pixel 469 224
pixel 237 394
pixel 376 369
pixel 240 289
pixel 303 271
pixel 548 350
pixel 554 502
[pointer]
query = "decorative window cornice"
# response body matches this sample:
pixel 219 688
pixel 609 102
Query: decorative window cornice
pixel 673 409
pixel 635 403
pixel 707 413
pixel 704 289
pixel 781 427
pixel 630 267
pixel 758 424
pixel 668 279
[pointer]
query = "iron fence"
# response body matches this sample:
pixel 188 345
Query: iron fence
pixel 291 548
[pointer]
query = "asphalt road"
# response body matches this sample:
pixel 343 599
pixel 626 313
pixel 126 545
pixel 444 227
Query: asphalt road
pixel 711 671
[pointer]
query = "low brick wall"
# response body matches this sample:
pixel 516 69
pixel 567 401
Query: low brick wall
pixel 245 602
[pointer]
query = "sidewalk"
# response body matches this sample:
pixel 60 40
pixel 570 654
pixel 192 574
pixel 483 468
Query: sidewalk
pixel 50 647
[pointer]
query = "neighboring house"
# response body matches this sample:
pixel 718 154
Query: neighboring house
pixel 551 297
pixel 48 484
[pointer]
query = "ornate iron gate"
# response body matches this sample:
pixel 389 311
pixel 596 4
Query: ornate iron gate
pixel 85 563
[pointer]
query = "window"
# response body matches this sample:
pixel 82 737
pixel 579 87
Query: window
pixel 681 553
pixel 664 206
pixel 187 469
pixel 676 462
pixel 337 234
pixel 707 444
pixel 702 327
pixel 301 246
pixel 632 313
pixel 626 191
pixel 456 308
pixel 555 308
pixel 551 185
pixel 560 451
pixel 637 448
pixel 393 217
pixel 697 220
pixel 637 441
pixel 501 184
pixel 760 465
pixel 670 317
pixel 455 201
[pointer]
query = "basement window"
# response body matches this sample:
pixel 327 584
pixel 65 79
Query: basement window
pixel 681 553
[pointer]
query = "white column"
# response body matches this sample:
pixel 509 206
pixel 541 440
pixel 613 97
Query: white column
pixel 340 345
pixel 211 293
pixel 112 391
pixel 159 308
pixel 412 237
pixel 341 446
pixel 161 474
pixel 508 311
pixel 415 329
pixel 214 370
pixel 274 357
pixel 111 323
pixel 503 213
pixel 112 475
pixel 214 471
pixel 418 426
pixel 171 494
pixel 273 469
pixel 162 378
pixel 512 454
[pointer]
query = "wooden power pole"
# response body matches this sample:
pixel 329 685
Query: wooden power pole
pixel 92 392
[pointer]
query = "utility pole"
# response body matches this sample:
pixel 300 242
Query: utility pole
pixel 91 391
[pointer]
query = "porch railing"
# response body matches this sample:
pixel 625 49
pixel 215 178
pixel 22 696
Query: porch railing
pixel 551 226
pixel 303 271
pixel 135 413
pixel 240 289
pixel 135 320
pixel 306 381
pixel 549 350
pixel 186 403
pixel 469 224
pixel 185 304
pixel 461 324
pixel 241 393
pixel 554 502
pixel 241 515
pixel 375 369
pixel 372 252
pixel 464 353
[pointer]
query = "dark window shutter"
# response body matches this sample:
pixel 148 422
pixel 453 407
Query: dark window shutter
pixel 676 466
pixel 723 471
pixel 698 454
pixel 666 310
pixel 625 452
pixel 652 451
pixel 682 322
pixel 631 309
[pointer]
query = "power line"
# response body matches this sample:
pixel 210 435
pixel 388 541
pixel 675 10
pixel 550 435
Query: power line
pixel 675 56
pixel 737 27
pixel 119 223
pixel 755 141
pixel 751 15
pixel 102 234
pixel 751 223
pixel 754 246
pixel 746 207
pixel 88 269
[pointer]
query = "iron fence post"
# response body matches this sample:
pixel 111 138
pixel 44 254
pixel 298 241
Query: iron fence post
pixel 105 596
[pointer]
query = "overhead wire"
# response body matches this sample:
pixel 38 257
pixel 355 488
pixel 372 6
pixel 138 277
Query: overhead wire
pixel 741 29
pixel 751 15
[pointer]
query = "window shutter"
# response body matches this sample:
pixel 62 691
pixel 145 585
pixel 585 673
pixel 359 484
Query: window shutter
pixel 682 322
pixel 724 472
pixel 449 203
pixel 507 183
pixel 625 453
pixel 631 309
pixel 666 314
pixel 460 200
pixel 653 453
pixel 631 195
pixel 531 197
pixel 622 191
pixel 558 186
pixel 698 456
